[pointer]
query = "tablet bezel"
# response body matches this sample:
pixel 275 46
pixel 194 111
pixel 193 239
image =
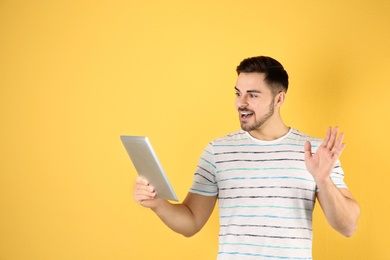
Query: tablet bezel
pixel 146 163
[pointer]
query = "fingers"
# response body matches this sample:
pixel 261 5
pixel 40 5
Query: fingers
pixel 333 136
pixel 142 180
pixel 328 142
pixel 143 191
pixel 339 145
pixel 332 142
pixel 325 143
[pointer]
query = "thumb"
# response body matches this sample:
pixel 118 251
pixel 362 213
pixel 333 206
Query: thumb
pixel 307 149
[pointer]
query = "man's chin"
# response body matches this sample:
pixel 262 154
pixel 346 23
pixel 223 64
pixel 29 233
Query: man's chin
pixel 246 127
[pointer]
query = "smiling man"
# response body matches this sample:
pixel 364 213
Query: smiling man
pixel 256 103
pixel 266 177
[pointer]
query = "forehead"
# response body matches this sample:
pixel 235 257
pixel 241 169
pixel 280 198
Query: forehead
pixel 251 81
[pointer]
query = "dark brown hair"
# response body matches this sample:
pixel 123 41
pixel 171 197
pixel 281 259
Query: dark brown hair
pixel 275 75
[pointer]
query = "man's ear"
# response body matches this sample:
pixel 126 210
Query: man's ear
pixel 279 98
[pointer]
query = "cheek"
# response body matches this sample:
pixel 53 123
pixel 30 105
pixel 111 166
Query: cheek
pixel 260 107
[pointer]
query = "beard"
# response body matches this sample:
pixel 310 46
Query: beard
pixel 258 121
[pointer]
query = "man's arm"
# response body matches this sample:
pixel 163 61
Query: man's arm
pixel 186 218
pixel 340 208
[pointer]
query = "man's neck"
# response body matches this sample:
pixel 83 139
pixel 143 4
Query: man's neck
pixel 270 133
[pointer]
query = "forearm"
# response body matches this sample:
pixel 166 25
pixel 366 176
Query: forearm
pixel 188 217
pixel 177 217
pixel 339 207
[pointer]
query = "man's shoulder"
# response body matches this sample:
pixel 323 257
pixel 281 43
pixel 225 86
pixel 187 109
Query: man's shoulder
pixel 298 135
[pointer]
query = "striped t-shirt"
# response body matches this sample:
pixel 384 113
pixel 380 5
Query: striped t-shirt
pixel 265 194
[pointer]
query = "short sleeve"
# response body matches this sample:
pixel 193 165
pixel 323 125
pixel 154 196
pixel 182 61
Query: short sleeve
pixel 204 178
pixel 337 176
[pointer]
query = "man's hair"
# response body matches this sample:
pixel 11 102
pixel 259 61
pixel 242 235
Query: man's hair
pixel 275 75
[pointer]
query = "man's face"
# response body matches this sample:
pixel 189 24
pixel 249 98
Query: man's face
pixel 254 101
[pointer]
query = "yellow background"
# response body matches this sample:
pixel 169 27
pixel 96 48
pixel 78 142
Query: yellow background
pixel 75 75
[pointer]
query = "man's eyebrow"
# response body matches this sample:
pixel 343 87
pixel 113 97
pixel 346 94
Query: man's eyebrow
pixel 253 91
pixel 249 91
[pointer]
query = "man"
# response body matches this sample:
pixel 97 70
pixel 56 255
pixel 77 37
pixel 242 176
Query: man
pixel 266 178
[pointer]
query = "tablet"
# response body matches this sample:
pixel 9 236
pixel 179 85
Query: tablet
pixel 147 164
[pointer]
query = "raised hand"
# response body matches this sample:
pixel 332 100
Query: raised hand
pixel 321 164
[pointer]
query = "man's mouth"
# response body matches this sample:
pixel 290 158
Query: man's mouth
pixel 245 114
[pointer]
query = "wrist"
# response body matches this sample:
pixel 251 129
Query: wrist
pixel 158 205
pixel 324 183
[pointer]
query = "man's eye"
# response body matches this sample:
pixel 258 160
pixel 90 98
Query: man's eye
pixel 253 95
pixel 238 94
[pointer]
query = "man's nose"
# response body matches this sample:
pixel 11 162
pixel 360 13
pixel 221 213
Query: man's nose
pixel 242 102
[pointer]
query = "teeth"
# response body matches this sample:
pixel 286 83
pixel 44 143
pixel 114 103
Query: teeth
pixel 245 114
